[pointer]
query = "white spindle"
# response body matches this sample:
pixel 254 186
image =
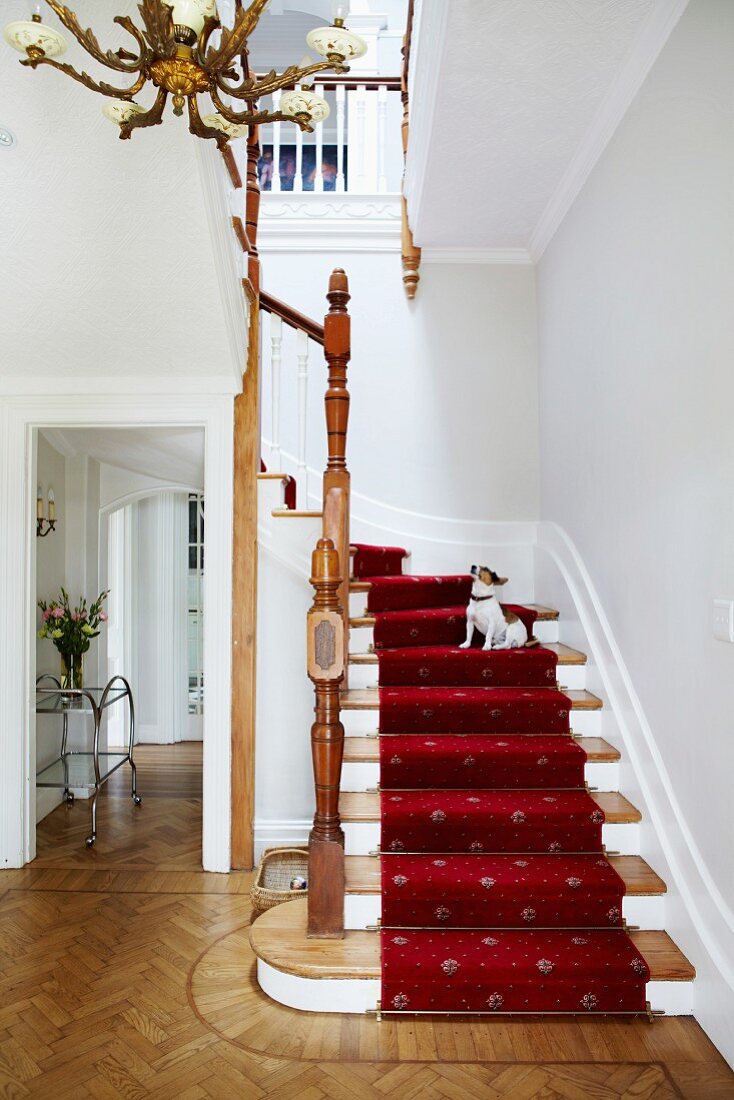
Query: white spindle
pixel 381 139
pixel 302 356
pixel 318 180
pixel 359 145
pixel 341 98
pixel 276 344
pixel 276 145
pixel 298 180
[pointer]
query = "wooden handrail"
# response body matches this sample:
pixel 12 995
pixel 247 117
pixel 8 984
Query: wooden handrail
pixel 326 875
pixel 351 82
pixel 292 317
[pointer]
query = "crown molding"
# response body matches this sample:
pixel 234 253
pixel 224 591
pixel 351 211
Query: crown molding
pixel 640 59
pixel 429 45
pixel 475 256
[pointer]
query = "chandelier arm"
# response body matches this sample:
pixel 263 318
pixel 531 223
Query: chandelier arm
pixel 234 40
pixel 210 26
pixel 198 127
pixel 149 118
pixel 86 79
pixel 272 82
pixel 158 20
pixel 88 40
pixel 259 118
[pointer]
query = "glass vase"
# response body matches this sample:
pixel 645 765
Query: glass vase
pixel 72 670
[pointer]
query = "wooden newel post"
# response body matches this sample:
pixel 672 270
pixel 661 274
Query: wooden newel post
pixel 325 648
pixel 336 484
pixel 252 208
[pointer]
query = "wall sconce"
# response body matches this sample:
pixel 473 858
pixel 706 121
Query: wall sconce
pixel 44 524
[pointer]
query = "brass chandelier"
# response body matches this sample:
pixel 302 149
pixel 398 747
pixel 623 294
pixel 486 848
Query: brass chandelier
pixel 175 53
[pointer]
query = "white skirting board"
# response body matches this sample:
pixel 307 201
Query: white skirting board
pixel 360 995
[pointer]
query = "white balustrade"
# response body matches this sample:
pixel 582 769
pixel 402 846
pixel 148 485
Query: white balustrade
pixel 382 139
pixel 298 178
pixel 275 185
pixel 318 179
pixel 341 101
pixel 276 344
pixel 360 142
pixel 302 357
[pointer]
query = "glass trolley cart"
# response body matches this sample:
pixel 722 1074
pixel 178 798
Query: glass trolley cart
pixel 85 769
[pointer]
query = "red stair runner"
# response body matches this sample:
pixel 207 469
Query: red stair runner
pixel 377 561
pixel 496 895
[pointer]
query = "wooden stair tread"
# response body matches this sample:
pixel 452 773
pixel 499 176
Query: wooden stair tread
pixel 566 655
pixel 363 875
pixel 273 477
pixel 292 513
pixel 369 699
pixel 364 806
pixel 278 937
pixel 366 750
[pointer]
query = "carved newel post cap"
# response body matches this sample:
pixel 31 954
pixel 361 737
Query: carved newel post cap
pixel 325 563
pixel 338 294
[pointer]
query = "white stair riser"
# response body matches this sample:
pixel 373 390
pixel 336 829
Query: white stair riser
pixel 357 604
pixel 572 677
pixel 360 723
pixel 361 638
pixel 366 776
pixel 363 837
pixel 360 995
pixel 365 910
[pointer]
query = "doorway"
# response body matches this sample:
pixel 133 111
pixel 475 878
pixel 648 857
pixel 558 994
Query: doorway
pixel 22 421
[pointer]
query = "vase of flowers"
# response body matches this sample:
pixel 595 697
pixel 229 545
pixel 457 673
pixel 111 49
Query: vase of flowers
pixel 71 630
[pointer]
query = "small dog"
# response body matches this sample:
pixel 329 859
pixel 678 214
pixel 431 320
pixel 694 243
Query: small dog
pixel 503 629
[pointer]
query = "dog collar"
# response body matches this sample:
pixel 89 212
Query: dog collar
pixel 478 599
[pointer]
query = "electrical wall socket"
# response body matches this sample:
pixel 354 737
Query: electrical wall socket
pixel 724 620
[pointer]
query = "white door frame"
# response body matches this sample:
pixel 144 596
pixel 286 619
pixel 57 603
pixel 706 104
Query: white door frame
pixel 19 417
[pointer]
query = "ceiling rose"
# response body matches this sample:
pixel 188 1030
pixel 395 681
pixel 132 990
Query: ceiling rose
pixel 173 53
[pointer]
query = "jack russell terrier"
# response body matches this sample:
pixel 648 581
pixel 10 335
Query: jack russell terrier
pixel 503 629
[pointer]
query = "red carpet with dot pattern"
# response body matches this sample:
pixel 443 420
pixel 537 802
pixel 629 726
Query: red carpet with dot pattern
pixel 496 894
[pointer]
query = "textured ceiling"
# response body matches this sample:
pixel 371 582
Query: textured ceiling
pixel 107 263
pixel 519 84
pixel 171 454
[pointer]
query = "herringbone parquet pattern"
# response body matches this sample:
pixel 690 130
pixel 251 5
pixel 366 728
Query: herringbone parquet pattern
pixel 124 973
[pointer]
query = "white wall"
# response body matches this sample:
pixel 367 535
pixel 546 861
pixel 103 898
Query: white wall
pixel 636 335
pixel 444 401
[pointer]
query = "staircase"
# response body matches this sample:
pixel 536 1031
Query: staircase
pixel 345 975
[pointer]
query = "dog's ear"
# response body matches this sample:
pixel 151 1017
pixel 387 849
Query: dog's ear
pixel 497 579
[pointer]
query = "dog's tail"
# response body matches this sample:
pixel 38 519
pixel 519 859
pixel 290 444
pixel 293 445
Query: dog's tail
pixel 531 642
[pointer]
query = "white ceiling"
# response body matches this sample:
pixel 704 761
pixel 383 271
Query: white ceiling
pixel 107 262
pixel 174 455
pixel 508 97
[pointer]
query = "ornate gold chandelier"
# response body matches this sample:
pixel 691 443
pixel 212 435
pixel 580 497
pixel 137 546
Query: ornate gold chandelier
pixel 174 52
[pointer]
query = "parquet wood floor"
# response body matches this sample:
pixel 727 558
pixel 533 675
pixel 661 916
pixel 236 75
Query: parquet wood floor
pixel 125 972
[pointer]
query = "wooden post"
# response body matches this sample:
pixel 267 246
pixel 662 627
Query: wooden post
pixel 244 550
pixel 336 484
pixel 325 647
pixel 411 253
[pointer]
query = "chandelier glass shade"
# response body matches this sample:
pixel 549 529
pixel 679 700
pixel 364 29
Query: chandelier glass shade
pixel 177 52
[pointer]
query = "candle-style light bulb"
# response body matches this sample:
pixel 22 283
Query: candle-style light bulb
pixel 39 503
pixel 51 505
pixel 36 14
pixel 340 12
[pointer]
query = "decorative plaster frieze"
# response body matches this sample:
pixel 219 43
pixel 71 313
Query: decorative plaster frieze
pixel 334 222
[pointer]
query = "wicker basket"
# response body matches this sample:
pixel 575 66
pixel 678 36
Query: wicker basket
pixel 272 883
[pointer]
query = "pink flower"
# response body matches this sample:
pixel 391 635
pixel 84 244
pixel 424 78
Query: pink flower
pixel 58 613
pixel 103 616
pixel 47 615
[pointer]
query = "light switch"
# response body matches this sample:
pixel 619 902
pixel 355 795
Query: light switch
pixel 724 620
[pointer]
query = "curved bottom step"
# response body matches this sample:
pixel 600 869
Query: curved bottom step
pixel 344 975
